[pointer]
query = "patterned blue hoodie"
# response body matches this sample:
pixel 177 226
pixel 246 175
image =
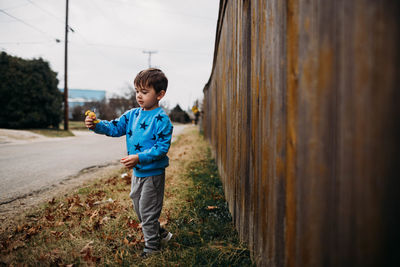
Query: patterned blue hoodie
pixel 148 134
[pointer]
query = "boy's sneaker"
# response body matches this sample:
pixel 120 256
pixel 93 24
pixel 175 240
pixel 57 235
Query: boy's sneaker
pixel 146 254
pixel 165 236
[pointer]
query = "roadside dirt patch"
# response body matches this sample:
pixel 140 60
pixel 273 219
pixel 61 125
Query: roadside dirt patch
pixel 17 136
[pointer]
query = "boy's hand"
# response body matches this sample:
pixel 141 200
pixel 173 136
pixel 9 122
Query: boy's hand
pixel 89 122
pixel 130 161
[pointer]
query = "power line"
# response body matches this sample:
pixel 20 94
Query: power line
pixel 54 16
pixel 185 52
pixel 22 43
pixel 141 48
pixel 95 48
pixel 110 18
pixel 20 20
pixel 82 37
pixel 114 46
pixel 15 7
pixel 62 22
pixel 97 45
pixel 47 12
pixel 50 14
pixel 29 25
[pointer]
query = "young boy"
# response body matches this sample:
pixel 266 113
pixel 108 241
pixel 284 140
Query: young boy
pixel 148 133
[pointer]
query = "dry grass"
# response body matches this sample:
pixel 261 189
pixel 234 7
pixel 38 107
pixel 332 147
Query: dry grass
pixel 75 125
pixel 96 225
pixel 52 132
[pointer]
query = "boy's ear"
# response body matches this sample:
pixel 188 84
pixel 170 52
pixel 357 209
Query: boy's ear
pixel 160 95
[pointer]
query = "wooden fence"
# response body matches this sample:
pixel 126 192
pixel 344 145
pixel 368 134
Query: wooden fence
pixel 302 111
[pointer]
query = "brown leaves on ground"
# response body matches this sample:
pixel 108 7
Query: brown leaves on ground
pixel 54 256
pixel 94 225
pixel 132 224
pixel 87 252
pixel 9 245
pixel 70 219
pixel 126 177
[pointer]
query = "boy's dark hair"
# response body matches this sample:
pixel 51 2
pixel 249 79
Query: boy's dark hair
pixel 151 78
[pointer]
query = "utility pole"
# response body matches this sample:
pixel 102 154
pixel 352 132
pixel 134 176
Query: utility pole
pixel 66 115
pixel 149 52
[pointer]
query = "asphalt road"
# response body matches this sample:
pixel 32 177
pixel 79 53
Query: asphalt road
pixel 27 167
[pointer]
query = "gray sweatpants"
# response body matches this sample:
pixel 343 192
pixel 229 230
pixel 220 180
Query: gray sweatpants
pixel 147 194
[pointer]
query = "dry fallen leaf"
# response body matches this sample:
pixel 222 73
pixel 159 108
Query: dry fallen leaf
pixel 94 214
pixel 32 231
pixel 133 224
pixel 17 244
pixel 87 247
pixel 72 236
pixel 56 233
pixel 86 253
pixel 163 221
pixel 59 223
pixel 104 220
pixel 52 201
pixel 19 228
pixel 49 217
pixel 110 200
pixel 117 257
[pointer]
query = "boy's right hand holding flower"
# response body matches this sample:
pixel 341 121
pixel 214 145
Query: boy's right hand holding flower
pixel 90 120
pixel 89 123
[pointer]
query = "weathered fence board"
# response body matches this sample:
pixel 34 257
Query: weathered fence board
pixel 302 110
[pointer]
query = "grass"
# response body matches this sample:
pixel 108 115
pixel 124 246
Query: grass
pixel 52 132
pixel 96 225
pixel 76 125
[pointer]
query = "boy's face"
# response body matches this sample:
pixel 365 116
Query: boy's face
pixel 148 98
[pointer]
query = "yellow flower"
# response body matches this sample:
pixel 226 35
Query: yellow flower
pixel 92 115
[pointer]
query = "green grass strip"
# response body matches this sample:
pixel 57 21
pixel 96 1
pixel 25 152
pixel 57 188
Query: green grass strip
pixel 204 233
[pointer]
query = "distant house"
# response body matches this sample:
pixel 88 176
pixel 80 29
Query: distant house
pixel 178 115
pixel 79 97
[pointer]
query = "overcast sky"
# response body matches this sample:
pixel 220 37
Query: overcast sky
pixel 106 49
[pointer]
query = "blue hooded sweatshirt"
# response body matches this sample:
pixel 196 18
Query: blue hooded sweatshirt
pixel 148 134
